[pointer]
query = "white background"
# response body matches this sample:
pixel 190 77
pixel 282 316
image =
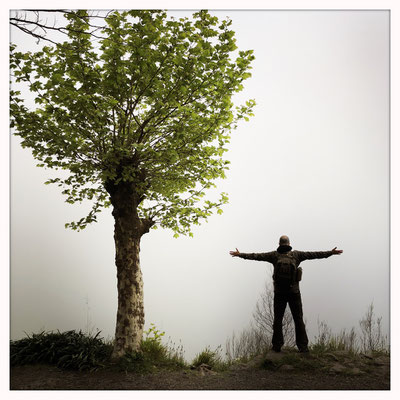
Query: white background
pixel 244 237
pixel 313 164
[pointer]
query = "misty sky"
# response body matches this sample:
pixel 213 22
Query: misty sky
pixel 313 163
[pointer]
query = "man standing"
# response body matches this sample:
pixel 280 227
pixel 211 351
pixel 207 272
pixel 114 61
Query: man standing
pixel 286 277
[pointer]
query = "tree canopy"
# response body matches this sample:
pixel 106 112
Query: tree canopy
pixel 150 103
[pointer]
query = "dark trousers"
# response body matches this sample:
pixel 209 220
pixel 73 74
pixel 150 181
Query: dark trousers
pixel 296 307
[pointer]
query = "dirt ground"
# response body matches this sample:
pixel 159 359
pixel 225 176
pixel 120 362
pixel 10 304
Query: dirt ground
pixel 338 374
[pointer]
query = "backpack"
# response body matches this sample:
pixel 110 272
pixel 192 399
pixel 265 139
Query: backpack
pixel 285 270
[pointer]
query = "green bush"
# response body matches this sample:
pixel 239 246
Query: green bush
pixel 79 351
pixel 67 350
pixel 153 354
pixel 152 345
pixel 209 357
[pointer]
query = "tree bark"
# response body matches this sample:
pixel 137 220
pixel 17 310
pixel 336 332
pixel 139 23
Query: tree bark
pixel 128 230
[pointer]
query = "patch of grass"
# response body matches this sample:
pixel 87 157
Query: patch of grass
pixel 175 356
pixel 153 355
pixel 80 351
pixel 211 358
pixel 382 352
pixel 134 362
pixel 160 354
pixel 291 357
pixel 153 349
pixel 298 361
pixel 67 350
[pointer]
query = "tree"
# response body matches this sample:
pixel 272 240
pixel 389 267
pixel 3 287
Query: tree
pixel 140 122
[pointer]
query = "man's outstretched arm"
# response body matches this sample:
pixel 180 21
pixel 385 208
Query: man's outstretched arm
pixel 269 257
pixel 312 255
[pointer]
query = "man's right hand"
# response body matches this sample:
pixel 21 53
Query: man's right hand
pixel 334 251
pixel 234 253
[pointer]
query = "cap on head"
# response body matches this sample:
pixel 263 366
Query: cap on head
pixel 284 241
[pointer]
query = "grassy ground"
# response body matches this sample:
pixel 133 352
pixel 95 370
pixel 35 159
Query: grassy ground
pixel 284 371
pixel 73 360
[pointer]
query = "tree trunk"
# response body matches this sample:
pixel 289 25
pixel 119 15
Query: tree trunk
pixel 130 313
pixel 128 230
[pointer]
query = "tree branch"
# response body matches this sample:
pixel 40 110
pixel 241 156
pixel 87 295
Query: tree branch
pixel 22 23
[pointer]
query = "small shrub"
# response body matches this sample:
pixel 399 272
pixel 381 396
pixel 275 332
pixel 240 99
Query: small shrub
pixel 152 345
pixel 372 338
pixel 327 341
pixel 160 354
pixel 175 355
pixel 209 357
pixel 67 350
pixel 248 344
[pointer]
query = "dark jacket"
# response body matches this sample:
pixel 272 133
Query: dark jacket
pixel 298 256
